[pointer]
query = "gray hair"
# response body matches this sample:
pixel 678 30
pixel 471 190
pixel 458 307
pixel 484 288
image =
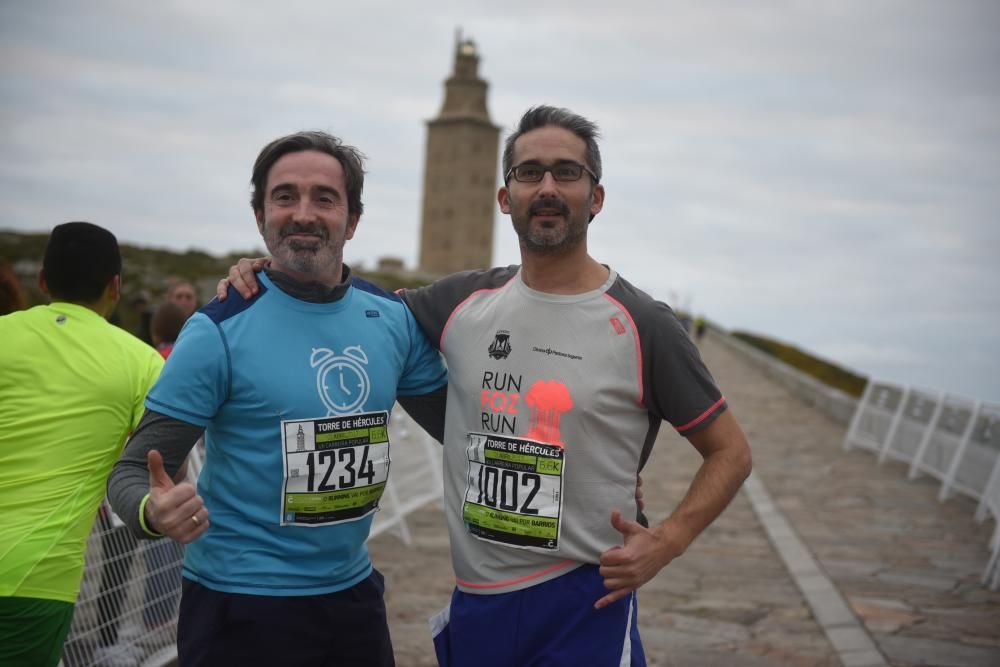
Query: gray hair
pixel 544 116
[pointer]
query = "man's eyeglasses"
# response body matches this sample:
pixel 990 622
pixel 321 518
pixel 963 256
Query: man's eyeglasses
pixel 563 172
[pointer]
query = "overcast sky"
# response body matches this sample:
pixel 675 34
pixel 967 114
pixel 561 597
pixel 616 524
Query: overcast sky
pixel 824 173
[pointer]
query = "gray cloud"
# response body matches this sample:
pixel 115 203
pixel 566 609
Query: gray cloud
pixel 824 173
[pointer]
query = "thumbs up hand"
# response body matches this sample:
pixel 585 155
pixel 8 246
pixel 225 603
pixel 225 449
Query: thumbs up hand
pixel 175 510
pixel 644 553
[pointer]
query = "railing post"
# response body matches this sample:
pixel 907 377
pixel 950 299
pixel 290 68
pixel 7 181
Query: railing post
pixel 928 434
pixel 894 426
pixel 858 413
pixel 949 478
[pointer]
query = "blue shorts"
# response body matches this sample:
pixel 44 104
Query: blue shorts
pixel 344 628
pixel 552 624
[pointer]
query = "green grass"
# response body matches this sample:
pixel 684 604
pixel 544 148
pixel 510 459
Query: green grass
pixel 824 371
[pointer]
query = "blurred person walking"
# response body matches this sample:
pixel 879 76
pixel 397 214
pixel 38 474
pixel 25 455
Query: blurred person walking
pixel 183 295
pixel 11 293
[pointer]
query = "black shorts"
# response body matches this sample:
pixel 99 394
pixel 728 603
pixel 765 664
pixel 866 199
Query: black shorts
pixel 348 627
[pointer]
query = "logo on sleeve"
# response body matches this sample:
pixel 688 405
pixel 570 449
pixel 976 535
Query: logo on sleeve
pixel 618 326
pixel 500 347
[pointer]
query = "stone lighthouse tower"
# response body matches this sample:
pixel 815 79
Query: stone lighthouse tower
pixel 460 173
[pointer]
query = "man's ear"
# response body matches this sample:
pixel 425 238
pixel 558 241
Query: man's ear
pixel 596 200
pixel 258 215
pixel 105 306
pixel 42 285
pixel 503 198
pixel 114 289
pixel 352 225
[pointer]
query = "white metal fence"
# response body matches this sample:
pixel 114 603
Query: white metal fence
pixel 126 615
pixel 952 438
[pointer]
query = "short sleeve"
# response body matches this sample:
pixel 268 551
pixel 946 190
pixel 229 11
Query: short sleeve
pixel 424 371
pixel 681 388
pixel 677 386
pixel 196 379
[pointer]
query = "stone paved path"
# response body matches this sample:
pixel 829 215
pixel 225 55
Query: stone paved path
pixel 907 566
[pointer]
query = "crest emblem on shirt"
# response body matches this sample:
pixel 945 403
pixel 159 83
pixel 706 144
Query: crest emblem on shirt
pixel 500 347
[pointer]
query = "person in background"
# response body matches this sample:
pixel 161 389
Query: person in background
pixel 143 312
pixel 11 293
pixel 72 388
pixel 168 320
pixel 183 295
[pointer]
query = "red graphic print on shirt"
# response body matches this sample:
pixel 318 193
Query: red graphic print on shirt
pixel 547 401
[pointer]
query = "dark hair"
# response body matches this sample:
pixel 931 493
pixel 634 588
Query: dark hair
pixel 11 294
pixel 167 323
pixel 80 260
pixel 350 158
pixel 178 283
pixel 543 116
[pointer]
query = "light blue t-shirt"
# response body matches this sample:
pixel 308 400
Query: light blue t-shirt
pixel 295 398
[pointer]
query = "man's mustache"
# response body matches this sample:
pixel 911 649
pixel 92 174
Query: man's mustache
pixel 549 204
pixel 304 228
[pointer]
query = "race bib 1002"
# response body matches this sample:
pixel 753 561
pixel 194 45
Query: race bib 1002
pixel 335 468
pixel 514 492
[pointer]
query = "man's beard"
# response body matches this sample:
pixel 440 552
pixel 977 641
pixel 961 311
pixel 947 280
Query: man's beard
pixel 543 240
pixel 306 257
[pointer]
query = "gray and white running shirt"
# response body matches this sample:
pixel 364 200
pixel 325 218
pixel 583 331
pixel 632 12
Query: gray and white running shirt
pixel 554 402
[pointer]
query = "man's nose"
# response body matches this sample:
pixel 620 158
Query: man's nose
pixel 548 184
pixel 305 210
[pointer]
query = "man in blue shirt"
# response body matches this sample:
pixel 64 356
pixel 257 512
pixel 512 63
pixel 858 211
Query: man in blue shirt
pixel 292 389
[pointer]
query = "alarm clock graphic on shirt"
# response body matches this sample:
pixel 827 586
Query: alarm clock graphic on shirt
pixel 341 380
